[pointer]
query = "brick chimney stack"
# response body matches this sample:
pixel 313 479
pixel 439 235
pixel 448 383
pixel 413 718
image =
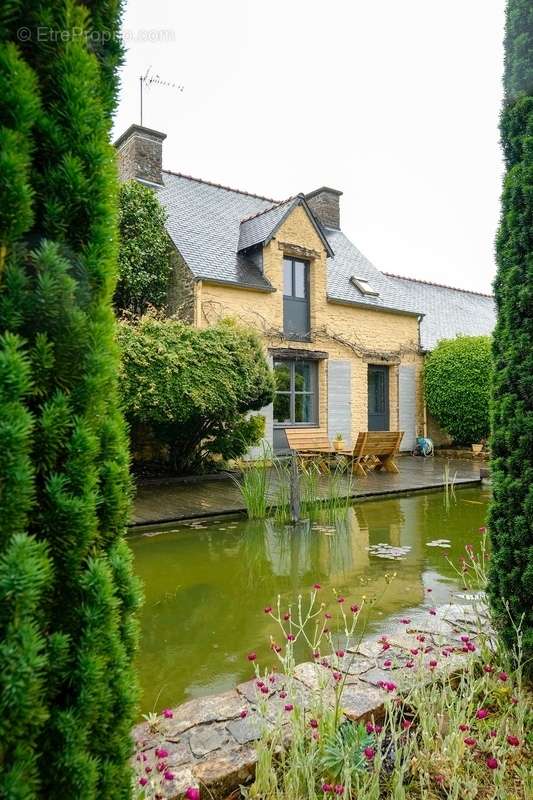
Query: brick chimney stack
pixel 140 154
pixel 324 203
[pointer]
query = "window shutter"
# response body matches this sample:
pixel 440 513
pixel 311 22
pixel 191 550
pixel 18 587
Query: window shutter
pixel 340 400
pixel 407 402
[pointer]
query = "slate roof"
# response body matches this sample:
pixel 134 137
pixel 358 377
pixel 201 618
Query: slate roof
pixel 211 225
pixel 448 312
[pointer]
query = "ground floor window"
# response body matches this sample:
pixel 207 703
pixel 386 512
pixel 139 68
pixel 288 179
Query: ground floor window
pixel 295 402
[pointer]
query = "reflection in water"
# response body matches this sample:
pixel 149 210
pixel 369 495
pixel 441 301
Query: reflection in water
pixel 205 589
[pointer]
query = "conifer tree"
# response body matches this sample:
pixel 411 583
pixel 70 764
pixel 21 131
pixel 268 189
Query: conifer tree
pixel 67 591
pixel 511 516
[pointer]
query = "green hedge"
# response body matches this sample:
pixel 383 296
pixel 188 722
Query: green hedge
pixel 193 387
pixel 457 378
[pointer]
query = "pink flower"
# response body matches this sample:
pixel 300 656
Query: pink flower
pixel 143 781
pixel 160 752
pixel 465 638
pixel 439 779
pixel 340 599
pixel 491 762
pixel 414 651
pixel 259 684
pixel 291 637
pixel 483 529
pixel 268 610
pixel 405 621
pixel 493 733
pixel 433 663
pixel 192 793
pixel 378 729
pixel 168 713
pixel 385 646
pixel 287 616
pixel 514 741
pixel 369 753
pixel 482 713
pixel 327 788
pixel 168 776
pixel 316 586
pixel 283 695
pixel 265 690
pixel 316 654
pixel 244 713
pixel 339 789
pixel 313 723
pixel 337 676
pixel 369 727
pixel 252 656
pixel 406 724
pixel 327 615
pixel 387 663
pixel 354 609
pixel 429 590
pixel 272 679
pixel 433 611
pixel 514 701
pixel 148 770
pixel 288 707
pixel 420 638
pixel 470 742
pixel 503 676
pixel 471 647
pixel 488 669
pixel 409 664
pixel 390 687
pixel 464 727
pixel 340 653
pixel 276 648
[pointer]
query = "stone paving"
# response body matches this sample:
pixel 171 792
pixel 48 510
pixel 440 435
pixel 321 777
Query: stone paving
pixel 209 742
pixel 179 499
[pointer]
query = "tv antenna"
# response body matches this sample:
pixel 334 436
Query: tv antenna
pixel 153 79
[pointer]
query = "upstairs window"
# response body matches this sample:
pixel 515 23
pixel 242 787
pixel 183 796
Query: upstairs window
pixel 364 287
pixel 296 317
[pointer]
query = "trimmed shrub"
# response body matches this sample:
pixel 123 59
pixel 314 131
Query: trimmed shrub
pixel 457 387
pixel 144 252
pixel 193 387
pixel 511 515
pixel 67 592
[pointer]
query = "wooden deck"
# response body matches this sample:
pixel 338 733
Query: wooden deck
pixel 179 499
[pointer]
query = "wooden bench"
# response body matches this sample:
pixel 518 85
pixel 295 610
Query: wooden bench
pixel 376 450
pixel 309 440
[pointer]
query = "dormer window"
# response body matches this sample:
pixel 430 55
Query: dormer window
pixel 296 319
pixel 364 287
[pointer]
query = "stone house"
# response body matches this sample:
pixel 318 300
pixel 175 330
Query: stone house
pixel 346 341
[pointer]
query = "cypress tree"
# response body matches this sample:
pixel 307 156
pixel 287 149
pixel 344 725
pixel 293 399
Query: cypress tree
pixel 67 591
pixel 511 515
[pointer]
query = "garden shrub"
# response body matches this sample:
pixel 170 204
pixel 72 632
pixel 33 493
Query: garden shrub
pixel 144 251
pixel 193 387
pixel 67 593
pixel 511 515
pixel 457 387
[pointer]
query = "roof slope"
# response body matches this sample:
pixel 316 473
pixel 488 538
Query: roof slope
pixel 259 227
pixel 448 312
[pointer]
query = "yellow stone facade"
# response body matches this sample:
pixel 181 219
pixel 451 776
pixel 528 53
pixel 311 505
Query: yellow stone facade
pixel 360 335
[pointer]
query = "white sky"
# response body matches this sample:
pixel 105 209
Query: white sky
pixel 394 102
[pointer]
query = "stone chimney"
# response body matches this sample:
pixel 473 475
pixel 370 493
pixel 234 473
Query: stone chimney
pixel 140 154
pixel 324 203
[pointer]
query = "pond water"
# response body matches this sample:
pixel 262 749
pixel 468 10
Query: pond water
pixel 207 582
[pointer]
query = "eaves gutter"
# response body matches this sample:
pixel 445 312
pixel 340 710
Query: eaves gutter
pixel 251 287
pixel 387 309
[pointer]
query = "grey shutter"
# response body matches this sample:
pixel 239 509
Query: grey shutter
pixel 407 403
pixel 340 400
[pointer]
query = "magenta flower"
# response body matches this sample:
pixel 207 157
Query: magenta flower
pixel 339 789
pixel 259 684
pixel 385 646
pixel 340 653
pixel 369 727
pixel 387 663
pixel 354 609
pixel 327 615
pixel 493 733
pixel 406 724
pixel 268 610
pixel 340 599
pixel 420 638
pixel 316 654
pixel 471 647
pixel 160 752
pixel 313 723
pixel 252 656
pixel 287 616
pixel 409 664
pixel 488 669
pixel 465 638
pixel 272 679
pixel 378 729
pixel 283 695
pixel 168 713
pixel 389 686
pixel 327 788
pixel 291 637
pixel 439 779
pixel 514 741
pixel 143 781
pixel 429 590
pixel 264 690
pixel 168 776
pixel 405 621
pixel 491 762
pixel 288 707
pixel 503 676
pixel 276 648
pixel 470 742
pixel 414 651
pixel 464 727
pixel 433 663
pixel 192 793
pixel 369 753
pixel 337 676
pixel 148 770
pixel 514 701
pixel 433 611
pixel 482 713
pixel 316 586
pixel 244 713
pixel 483 529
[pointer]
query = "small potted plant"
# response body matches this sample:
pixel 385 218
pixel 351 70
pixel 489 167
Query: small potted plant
pixel 338 442
pixel 477 449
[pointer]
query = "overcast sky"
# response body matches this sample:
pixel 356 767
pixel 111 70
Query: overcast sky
pixel 394 102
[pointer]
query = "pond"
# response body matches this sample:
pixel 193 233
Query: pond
pixel 207 582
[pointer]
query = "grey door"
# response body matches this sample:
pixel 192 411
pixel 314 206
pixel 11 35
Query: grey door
pixel 378 398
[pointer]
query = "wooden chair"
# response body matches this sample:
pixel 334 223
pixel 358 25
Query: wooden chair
pixel 376 450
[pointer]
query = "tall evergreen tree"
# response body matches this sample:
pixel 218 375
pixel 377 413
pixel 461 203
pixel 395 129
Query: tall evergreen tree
pixel 511 516
pixel 67 591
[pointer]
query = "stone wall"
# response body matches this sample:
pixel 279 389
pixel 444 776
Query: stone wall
pixel 180 292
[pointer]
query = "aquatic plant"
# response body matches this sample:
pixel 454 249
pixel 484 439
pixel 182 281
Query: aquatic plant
pixel 253 484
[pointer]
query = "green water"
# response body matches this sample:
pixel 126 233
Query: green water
pixel 206 584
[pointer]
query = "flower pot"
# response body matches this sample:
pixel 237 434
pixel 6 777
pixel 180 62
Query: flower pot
pixel 476 449
pixel 338 444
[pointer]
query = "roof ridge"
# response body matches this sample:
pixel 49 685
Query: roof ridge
pixel 221 186
pixel 266 210
pixel 439 285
